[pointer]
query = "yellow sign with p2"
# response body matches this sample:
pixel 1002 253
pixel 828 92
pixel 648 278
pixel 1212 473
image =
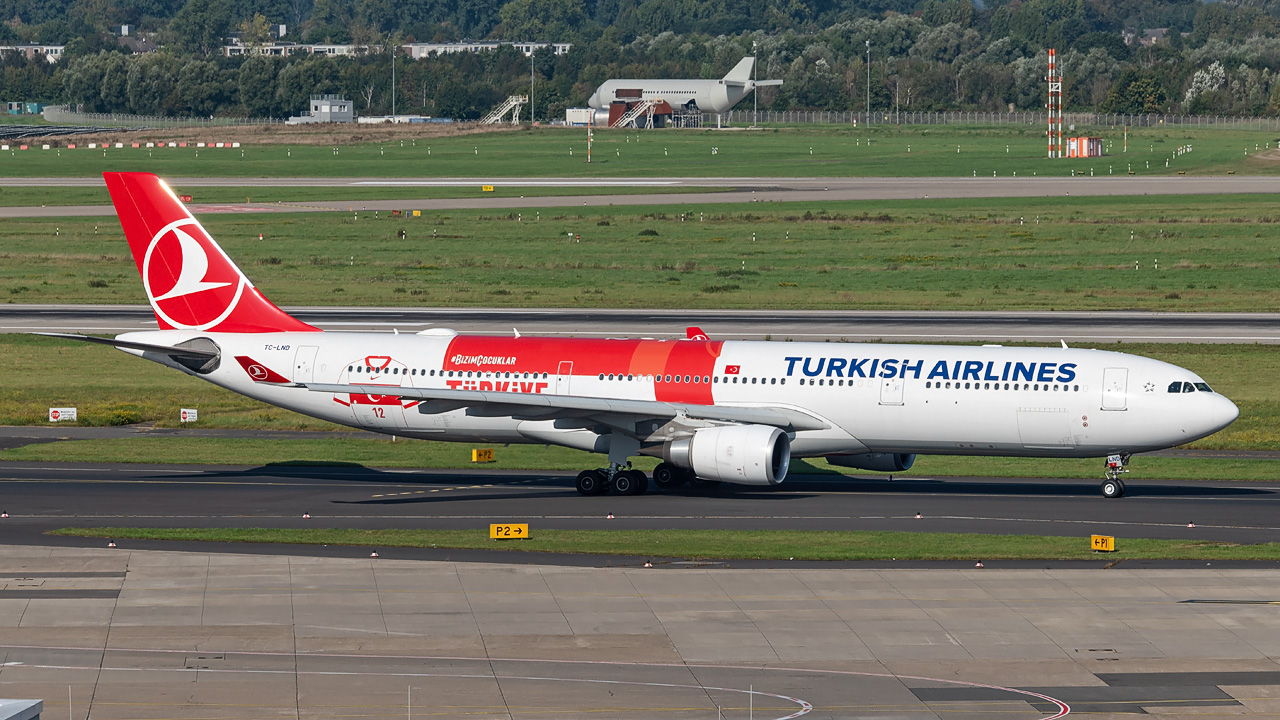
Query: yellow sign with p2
pixel 509 531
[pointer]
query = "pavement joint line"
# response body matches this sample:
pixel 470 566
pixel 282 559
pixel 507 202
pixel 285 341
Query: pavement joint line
pixel 1063 708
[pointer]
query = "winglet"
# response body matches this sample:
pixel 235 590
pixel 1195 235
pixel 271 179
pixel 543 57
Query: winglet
pixel 693 332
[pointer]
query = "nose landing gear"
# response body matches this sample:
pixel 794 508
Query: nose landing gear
pixel 1113 486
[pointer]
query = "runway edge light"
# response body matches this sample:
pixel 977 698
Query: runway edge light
pixel 1102 543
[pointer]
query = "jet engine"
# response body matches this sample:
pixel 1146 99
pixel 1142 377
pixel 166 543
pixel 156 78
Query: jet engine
pixel 880 462
pixel 742 454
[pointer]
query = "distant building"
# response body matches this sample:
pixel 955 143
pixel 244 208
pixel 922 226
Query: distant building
pixel 281 49
pixel 137 44
pixel 326 109
pixel 421 50
pixel 51 53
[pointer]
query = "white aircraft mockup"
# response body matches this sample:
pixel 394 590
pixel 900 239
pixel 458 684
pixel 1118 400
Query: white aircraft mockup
pixel 727 411
pixel 713 96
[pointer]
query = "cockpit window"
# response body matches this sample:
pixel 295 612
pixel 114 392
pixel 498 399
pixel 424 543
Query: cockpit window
pixel 1175 387
pixel 1203 387
pixel 1188 387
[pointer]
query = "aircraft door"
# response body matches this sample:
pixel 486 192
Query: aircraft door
pixel 304 364
pixel 1115 387
pixel 891 391
pixel 563 375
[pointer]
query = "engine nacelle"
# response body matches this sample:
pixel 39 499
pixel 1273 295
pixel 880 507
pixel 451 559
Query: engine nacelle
pixel 880 462
pixel 743 454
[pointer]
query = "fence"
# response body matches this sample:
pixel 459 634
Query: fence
pixel 64 115
pixel 822 117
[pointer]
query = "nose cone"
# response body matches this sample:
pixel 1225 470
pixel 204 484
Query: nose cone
pixel 1225 412
pixel 594 100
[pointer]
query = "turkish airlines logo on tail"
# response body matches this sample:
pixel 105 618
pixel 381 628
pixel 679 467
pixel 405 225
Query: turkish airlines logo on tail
pixel 191 284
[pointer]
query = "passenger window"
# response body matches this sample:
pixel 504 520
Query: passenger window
pixel 1188 387
pixel 773 381
pixel 631 377
pixel 686 378
pixel 697 378
pixel 753 381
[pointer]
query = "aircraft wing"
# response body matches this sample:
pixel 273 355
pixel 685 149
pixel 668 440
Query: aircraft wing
pixel 130 345
pixel 748 83
pixel 479 402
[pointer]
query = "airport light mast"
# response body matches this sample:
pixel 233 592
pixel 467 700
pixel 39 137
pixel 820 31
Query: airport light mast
pixel 868 81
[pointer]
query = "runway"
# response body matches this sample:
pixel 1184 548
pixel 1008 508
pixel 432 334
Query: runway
pixel 743 190
pixel 44 496
pixel 902 326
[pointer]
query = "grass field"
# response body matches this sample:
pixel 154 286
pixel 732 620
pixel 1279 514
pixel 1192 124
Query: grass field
pixel 1213 253
pixel 721 544
pixel 882 150
pixel 382 452
pixel 55 196
pixel 112 388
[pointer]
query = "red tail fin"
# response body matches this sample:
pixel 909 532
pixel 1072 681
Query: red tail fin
pixel 190 282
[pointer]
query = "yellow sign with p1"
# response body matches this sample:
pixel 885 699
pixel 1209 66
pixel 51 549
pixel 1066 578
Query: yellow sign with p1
pixel 1102 543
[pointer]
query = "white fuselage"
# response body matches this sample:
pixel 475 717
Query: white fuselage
pixel 954 400
pixel 713 96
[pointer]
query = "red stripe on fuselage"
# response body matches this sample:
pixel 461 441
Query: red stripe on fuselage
pixel 694 358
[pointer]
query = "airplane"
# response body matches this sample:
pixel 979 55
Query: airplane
pixel 715 96
pixel 713 411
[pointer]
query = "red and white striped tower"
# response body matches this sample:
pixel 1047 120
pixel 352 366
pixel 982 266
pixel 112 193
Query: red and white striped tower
pixel 1055 106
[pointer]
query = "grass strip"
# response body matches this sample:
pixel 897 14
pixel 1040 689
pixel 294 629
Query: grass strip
pixel 720 544
pixel 382 452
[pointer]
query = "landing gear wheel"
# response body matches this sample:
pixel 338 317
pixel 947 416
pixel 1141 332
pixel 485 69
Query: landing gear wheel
pixel 630 482
pixel 668 477
pixel 591 482
pixel 1112 488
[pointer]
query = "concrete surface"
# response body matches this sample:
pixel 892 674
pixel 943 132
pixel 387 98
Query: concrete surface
pixel 192 635
pixel 899 326
pixel 747 189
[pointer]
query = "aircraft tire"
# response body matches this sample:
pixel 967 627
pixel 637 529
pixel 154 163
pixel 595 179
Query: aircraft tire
pixel 1112 488
pixel 669 477
pixel 591 482
pixel 630 482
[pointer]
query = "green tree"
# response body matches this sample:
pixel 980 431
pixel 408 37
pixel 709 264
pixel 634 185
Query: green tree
pixel 300 79
pixel 541 19
pixel 150 83
pixel 1135 93
pixel 200 27
pixel 257 82
pixel 202 89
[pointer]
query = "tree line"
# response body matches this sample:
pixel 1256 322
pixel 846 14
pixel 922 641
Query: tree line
pixel 925 55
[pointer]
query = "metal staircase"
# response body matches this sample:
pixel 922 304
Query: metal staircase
pixel 644 107
pixel 510 105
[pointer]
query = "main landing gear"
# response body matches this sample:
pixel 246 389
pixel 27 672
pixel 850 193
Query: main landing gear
pixel 622 482
pixel 1113 486
pixel 632 482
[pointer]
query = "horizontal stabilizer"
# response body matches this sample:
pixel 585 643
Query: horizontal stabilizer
pixel 130 345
